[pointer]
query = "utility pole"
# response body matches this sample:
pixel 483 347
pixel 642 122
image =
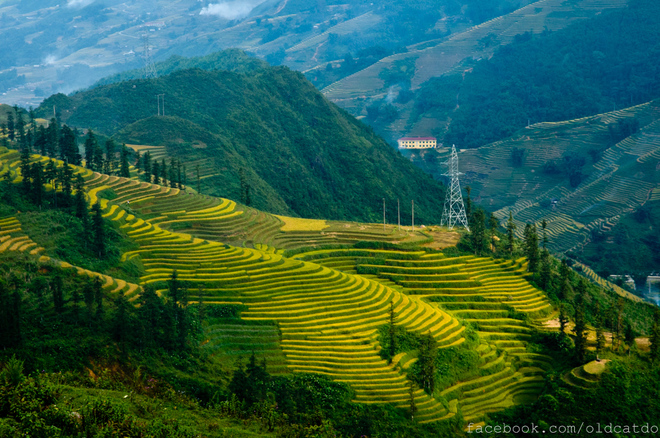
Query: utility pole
pixel 383 215
pixel 413 215
pixel 398 212
pixel 161 98
pixel 454 212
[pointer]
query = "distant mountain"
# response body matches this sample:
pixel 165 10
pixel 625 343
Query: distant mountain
pixel 63 46
pixel 233 60
pixel 302 154
pixel 467 78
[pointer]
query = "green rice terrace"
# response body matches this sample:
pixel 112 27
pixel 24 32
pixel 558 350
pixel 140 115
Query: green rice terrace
pixel 617 173
pixel 315 297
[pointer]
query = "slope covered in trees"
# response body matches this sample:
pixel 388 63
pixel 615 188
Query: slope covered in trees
pixel 301 154
pixel 588 68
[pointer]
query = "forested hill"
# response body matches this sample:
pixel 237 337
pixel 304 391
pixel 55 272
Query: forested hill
pixel 594 66
pixel 301 154
pixel 234 60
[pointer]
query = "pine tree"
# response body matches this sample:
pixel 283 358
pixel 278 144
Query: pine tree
pixel 20 129
pixel 40 141
pixel 53 140
pixel 98 231
pixel 91 145
pixel 629 336
pixel 69 147
pixel 173 288
pixel 124 170
pixel 478 232
pixel 147 166
pixel 110 161
pixel 11 132
pixel 563 318
pixel 531 242
pixel 580 330
pixel 66 175
pixel 392 333
pixel 510 234
pixel 80 202
pixel 163 172
pixel 26 182
pixel 120 323
pixel 199 186
pixel 138 162
pixel 428 352
pixel 172 174
pixel 156 172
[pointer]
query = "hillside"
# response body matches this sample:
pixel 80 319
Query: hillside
pixel 66 46
pixel 280 292
pixel 301 154
pixel 385 83
pixel 582 176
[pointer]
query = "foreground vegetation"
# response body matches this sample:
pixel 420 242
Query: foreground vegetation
pixel 386 337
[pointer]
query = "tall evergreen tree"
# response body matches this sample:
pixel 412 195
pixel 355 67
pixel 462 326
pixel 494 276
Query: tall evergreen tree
pixel 40 141
pixel 98 231
pixel 156 172
pixel 478 232
pixel 172 174
pixel 98 298
pixel 510 234
pixel 124 169
pixel 80 202
pixel 11 132
pixel 138 161
pixel 37 189
pixel 91 145
pixel 163 172
pixel 69 147
pixel 428 352
pixel 563 318
pixel 110 161
pixel 147 166
pixel 531 242
pixel 392 333
pixel 26 168
pixel 53 140
pixel 580 329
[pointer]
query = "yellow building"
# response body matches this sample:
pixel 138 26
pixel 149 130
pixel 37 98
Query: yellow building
pixel 417 142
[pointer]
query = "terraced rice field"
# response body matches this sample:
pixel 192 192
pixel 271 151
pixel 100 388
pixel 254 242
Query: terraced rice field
pixel 620 181
pixel 12 238
pixel 315 312
pixel 488 294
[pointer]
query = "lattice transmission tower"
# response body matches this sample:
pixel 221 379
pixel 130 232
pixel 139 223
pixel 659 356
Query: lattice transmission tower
pixel 149 66
pixel 454 212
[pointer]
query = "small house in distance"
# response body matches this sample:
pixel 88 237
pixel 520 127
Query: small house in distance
pixel 417 142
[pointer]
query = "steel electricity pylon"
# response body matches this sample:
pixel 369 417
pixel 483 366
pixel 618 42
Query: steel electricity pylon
pixel 149 70
pixel 454 212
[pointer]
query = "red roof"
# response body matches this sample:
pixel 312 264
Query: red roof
pixel 417 138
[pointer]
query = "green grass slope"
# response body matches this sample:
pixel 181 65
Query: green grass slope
pixel 303 155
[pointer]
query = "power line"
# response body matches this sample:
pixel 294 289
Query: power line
pixel 454 212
